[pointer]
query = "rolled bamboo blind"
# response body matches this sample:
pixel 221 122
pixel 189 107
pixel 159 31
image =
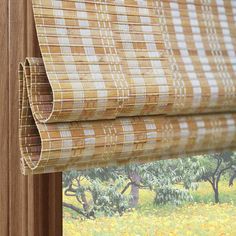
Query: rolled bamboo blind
pixel 127 81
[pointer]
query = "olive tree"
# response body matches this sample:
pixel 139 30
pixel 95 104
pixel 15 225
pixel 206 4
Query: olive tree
pixel 110 191
pixel 215 166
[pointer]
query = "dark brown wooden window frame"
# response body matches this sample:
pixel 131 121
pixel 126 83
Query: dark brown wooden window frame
pixel 29 206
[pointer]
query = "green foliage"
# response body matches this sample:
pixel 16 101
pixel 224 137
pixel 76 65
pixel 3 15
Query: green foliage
pixel 98 191
pixel 172 195
pixel 172 179
pixel 107 198
pixel 104 191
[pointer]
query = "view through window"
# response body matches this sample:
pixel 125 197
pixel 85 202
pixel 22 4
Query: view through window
pixel 188 196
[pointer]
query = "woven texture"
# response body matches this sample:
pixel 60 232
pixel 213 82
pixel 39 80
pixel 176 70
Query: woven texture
pixel 108 59
pixel 62 146
pixel 127 81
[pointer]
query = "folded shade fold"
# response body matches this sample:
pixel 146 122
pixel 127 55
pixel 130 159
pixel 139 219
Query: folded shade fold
pixel 126 81
pixel 52 147
pixel 120 58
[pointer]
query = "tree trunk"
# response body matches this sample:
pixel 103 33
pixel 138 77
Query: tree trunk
pixel 83 198
pixel 84 202
pixel 217 200
pixel 74 208
pixel 216 191
pixel 134 192
pixel 231 180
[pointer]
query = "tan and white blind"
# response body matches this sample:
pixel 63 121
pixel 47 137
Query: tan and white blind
pixel 125 81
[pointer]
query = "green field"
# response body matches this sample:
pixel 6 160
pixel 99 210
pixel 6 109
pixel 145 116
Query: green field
pixel 199 218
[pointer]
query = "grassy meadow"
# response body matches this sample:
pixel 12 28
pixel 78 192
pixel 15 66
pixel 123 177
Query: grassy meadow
pixel 199 218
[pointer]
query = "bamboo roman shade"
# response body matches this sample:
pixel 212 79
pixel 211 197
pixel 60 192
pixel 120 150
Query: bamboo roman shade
pixel 127 81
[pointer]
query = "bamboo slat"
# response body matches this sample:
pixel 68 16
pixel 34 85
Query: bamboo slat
pixel 127 81
pixel 54 147
pixel 119 58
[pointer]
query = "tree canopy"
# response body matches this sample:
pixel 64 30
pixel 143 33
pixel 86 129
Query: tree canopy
pixel 114 190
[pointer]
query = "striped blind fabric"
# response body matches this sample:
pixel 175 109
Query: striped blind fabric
pixel 125 81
